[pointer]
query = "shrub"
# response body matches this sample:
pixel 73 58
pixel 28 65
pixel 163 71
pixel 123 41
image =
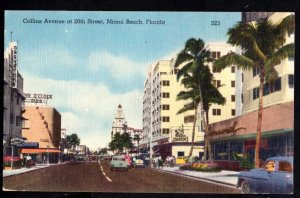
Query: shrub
pixel 202 167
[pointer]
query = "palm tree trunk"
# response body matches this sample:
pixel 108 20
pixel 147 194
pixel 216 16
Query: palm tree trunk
pixel 193 133
pixel 210 155
pixel 259 118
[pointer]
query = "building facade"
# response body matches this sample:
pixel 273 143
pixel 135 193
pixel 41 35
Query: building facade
pixel 229 83
pixel 120 125
pixel 281 91
pixel 164 131
pixel 42 125
pixel 13 98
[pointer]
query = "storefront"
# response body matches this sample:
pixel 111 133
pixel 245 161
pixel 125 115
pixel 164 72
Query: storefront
pixel 236 136
pixel 42 155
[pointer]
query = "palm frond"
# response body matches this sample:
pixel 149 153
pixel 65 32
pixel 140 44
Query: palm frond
pixel 234 59
pixel 281 54
pixel 287 25
pixel 187 107
pixel 184 70
pixel 182 57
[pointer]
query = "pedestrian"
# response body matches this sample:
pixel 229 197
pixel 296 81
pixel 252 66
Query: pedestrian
pixel 160 162
pixel 28 161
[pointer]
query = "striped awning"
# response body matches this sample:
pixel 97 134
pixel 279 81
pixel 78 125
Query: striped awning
pixel 39 150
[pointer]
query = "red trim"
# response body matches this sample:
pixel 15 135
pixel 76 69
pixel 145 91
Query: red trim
pixel 40 150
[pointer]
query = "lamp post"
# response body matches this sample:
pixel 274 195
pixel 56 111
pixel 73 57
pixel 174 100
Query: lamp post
pixel 47 155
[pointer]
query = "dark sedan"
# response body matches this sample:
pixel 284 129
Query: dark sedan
pixel 276 176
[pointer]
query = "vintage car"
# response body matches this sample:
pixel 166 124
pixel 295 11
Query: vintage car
pixel 118 162
pixel 276 176
pixel 139 162
pixel 180 160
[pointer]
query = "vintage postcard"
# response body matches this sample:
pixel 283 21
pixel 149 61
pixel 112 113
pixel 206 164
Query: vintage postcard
pixel 148 102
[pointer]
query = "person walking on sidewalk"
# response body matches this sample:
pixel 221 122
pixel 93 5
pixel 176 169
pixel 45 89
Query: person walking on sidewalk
pixel 28 161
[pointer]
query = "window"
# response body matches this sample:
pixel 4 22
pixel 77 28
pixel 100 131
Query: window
pixel 233 69
pixel 215 55
pixel 176 71
pixel 216 111
pixel 165 119
pixel 270 166
pixel 165 131
pixel 166 107
pixel 18 121
pixel 242 97
pixel 232 83
pixel 270 88
pixel 291 80
pixel 255 71
pixel 255 93
pixel 166 83
pixel 180 153
pixel 285 166
pixel 217 83
pixel 242 77
pixel 166 95
pixel 233 112
pixel 232 98
pixel 12 116
pixel 188 119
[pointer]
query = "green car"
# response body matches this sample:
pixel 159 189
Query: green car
pixel 118 162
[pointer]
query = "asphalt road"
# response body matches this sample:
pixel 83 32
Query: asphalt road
pixel 95 177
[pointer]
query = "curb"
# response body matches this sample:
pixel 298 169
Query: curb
pixel 194 177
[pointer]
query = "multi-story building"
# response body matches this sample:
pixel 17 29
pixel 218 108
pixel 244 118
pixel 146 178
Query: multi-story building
pixel 42 125
pixel 229 83
pixel 283 89
pixel 237 135
pixel 12 98
pixel 120 125
pixel 164 130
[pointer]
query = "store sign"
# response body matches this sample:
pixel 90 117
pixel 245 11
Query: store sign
pixel 44 140
pixel 179 135
pixel 13 66
pixel 37 98
pixel 17 141
pixel 230 130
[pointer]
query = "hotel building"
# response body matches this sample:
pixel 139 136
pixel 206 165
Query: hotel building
pixel 119 123
pixel 13 98
pixel 238 134
pixel 161 123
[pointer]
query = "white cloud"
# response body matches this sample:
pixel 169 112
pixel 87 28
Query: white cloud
pixel 87 109
pixel 119 66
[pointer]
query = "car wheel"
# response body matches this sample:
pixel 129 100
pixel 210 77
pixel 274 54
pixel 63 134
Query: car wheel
pixel 245 187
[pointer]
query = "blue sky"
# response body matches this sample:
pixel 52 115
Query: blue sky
pixel 91 68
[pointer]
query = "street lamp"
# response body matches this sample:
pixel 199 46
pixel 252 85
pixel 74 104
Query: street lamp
pixel 47 155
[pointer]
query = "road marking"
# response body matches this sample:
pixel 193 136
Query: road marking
pixel 108 179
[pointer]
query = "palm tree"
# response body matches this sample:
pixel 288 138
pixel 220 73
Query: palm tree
pixel 137 139
pixel 197 79
pixel 263 46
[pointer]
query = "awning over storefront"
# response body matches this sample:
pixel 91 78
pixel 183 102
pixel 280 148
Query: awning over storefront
pixel 40 150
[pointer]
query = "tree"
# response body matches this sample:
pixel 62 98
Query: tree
pixel 103 151
pixel 137 138
pixel 263 46
pixel 72 140
pixel 197 79
pixel 120 141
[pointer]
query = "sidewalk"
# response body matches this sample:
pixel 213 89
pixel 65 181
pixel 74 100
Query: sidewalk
pixel 7 173
pixel 223 177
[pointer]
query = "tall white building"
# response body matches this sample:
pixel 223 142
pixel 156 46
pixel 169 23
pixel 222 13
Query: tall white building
pixel 119 123
pixel 13 98
pixel 229 83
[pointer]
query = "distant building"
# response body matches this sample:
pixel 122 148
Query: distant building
pixel 13 98
pixel 119 123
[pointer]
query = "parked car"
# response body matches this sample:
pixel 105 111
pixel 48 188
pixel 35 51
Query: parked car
pixel 118 162
pixel 276 176
pixel 180 160
pixel 139 162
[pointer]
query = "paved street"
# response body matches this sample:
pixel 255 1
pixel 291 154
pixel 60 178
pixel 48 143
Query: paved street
pixel 95 177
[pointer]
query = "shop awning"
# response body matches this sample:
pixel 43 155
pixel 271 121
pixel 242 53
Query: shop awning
pixel 40 150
